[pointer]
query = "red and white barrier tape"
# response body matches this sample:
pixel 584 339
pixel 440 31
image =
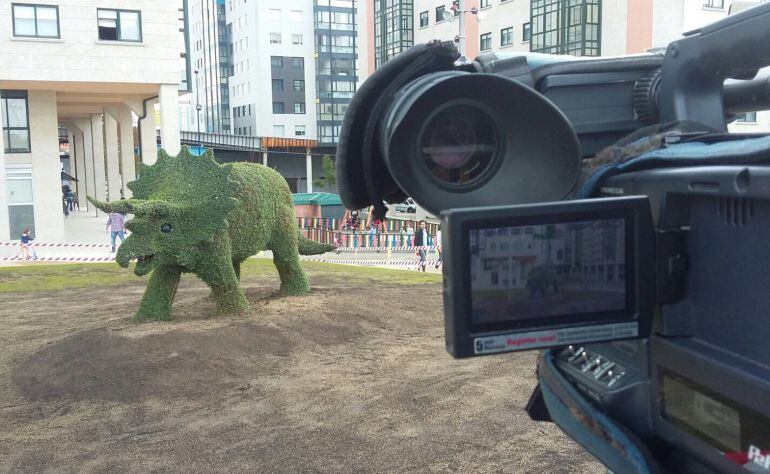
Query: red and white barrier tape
pixel 367 263
pixel 41 244
pixel 380 249
pixel 58 259
pixel 378 263
pixel 340 249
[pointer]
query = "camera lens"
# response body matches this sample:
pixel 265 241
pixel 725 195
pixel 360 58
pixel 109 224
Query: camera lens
pixel 458 144
pixel 456 139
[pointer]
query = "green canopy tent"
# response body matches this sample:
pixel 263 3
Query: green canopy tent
pixel 331 204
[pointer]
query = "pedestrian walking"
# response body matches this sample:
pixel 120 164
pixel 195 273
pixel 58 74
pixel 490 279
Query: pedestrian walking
pixel 69 197
pixel 116 224
pixel 437 244
pixel 75 201
pixel 410 234
pixel 372 234
pixel 421 242
pixel 403 236
pixel 25 245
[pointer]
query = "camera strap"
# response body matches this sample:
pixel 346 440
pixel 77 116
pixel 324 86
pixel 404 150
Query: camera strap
pixel 673 145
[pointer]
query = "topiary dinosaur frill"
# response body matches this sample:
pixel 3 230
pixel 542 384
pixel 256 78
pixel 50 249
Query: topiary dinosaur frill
pixel 194 215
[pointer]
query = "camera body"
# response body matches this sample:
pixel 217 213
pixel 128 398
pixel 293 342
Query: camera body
pixel 596 209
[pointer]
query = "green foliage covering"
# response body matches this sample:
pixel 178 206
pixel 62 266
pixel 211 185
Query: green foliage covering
pixel 330 173
pixel 193 215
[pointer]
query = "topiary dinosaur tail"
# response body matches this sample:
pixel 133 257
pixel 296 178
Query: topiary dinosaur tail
pixel 310 247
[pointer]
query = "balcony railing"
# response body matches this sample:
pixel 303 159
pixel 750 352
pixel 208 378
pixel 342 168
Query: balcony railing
pixel 222 141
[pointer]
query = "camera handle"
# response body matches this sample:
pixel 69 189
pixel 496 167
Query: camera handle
pixel 695 67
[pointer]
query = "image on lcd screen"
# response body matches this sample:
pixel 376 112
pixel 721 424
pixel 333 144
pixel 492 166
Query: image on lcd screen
pixel 538 271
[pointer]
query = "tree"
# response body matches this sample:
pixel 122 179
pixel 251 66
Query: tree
pixel 329 173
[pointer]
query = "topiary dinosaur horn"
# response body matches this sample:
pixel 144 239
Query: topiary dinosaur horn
pixel 139 207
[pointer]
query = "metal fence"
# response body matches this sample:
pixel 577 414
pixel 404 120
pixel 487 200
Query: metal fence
pixel 222 141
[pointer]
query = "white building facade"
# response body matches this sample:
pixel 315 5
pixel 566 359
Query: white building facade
pixel 294 66
pixel 93 67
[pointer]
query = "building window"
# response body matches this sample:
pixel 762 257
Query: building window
pixel 119 25
pixel 15 120
pixel 485 3
pixel 38 21
pixel 573 30
pixel 299 107
pixel 275 38
pixel 274 14
pixel 278 130
pixel 300 130
pixel 485 42
pixel 424 19
pixel 297 62
pixel 506 36
pixel 440 14
pixel 278 107
pixel 276 61
pixel 296 39
pixel 720 4
pixel 748 117
pixel 21 208
pixel 295 16
pixel 526 31
pixel 277 85
pixel 299 85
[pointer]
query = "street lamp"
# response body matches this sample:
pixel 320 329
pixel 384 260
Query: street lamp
pixel 458 9
pixel 198 109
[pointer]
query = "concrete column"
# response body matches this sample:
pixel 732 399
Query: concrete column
pixel 5 227
pixel 73 171
pixel 147 134
pixel 112 154
pixel 169 118
pixel 147 141
pixel 264 158
pixel 97 145
pixel 128 163
pixel 46 167
pixel 309 171
pixel 80 164
pixel 87 185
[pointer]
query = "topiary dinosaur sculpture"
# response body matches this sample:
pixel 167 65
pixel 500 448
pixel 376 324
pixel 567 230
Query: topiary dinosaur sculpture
pixel 194 215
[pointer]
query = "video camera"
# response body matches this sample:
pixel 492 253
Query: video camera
pixel 596 208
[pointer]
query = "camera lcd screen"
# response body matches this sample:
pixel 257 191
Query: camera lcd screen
pixel 546 270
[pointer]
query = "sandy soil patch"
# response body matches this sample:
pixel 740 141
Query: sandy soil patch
pixel 350 378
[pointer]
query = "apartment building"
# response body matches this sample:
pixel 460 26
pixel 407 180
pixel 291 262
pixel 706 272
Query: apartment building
pixel 92 67
pixel 211 59
pixel 340 63
pixel 272 68
pixel 391 29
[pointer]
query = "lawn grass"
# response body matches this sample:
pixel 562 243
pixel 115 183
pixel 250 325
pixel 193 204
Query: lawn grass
pixel 36 278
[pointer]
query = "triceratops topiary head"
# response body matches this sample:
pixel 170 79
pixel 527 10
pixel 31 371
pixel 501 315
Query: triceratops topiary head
pixel 180 203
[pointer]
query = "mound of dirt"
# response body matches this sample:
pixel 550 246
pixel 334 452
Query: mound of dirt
pixel 99 364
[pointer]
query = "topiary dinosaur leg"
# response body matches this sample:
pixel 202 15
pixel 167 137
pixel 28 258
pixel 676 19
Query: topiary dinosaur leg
pixel 286 260
pixel 237 268
pixel 225 289
pixel 159 294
